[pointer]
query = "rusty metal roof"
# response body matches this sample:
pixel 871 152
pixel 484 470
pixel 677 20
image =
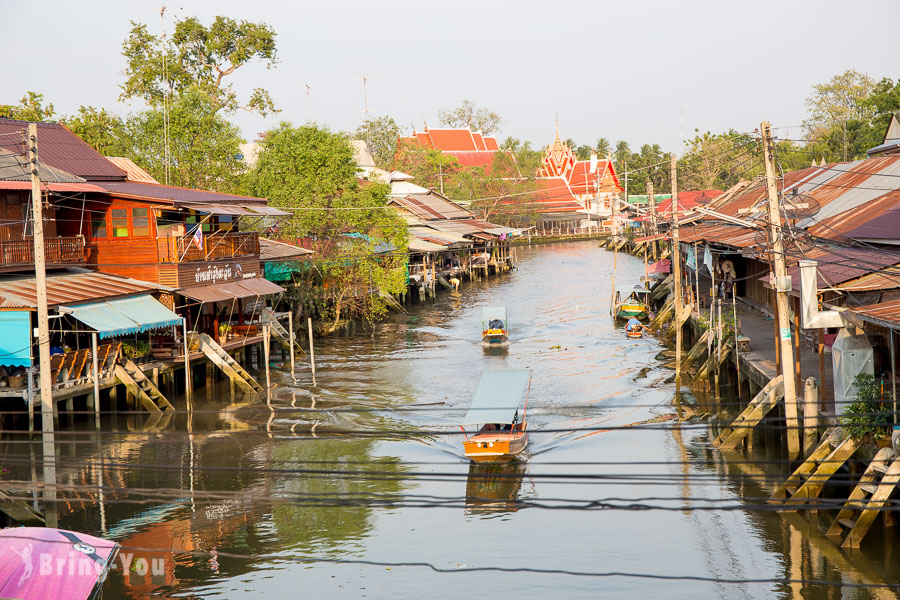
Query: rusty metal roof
pixel 70 288
pixel 226 292
pixel 429 207
pixel 173 194
pixel 883 313
pixel 60 148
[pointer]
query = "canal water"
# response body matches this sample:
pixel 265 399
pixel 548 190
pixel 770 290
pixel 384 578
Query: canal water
pixel 357 487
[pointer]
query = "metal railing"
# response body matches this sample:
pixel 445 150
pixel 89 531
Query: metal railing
pixel 58 250
pixel 216 246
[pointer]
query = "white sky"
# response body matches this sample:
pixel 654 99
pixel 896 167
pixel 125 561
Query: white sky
pixel 623 70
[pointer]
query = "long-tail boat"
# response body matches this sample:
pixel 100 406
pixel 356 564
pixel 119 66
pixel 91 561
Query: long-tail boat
pixel 494 326
pixel 495 408
pixel 631 302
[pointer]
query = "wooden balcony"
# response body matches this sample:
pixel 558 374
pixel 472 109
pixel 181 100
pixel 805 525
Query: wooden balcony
pixel 16 254
pixel 216 246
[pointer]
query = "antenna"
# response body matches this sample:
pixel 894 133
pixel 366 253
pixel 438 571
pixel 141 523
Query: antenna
pixel 162 20
pixel 365 100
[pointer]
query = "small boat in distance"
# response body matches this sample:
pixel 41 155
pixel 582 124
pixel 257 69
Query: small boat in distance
pixel 494 326
pixel 631 302
pixel 502 432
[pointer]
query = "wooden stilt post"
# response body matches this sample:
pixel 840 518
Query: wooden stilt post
pixel 266 350
pixel 291 336
pixel 822 386
pixel 893 376
pixel 810 416
pixel 187 365
pixel 676 270
pixel 797 376
pixel 96 377
pixel 312 352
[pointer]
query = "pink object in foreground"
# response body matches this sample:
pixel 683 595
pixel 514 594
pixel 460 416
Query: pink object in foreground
pixel 663 266
pixel 38 563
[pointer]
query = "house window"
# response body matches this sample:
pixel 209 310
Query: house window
pixel 119 222
pixel 140 222
pixel 98 227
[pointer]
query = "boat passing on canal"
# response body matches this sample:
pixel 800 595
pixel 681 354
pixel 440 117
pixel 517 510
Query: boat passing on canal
pixel 494 326
pixel 495 408
pixel 79 563
pixel 631 302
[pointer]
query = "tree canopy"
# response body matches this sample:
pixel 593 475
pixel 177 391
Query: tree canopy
pixel 30 108
pixel 476 118
pixel 200 58
pixel 381 135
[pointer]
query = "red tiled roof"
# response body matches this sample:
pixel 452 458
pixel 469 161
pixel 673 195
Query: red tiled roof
pixel 490 143
pixel 452 139
pixel 424 140
pixel 60 148
pixel 554 195
pixel 480 158
pixel 479 141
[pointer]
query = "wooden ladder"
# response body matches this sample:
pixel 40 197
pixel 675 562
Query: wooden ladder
pixel 807 481
pixel 866 500
pixel 279 332
pixel 140 385
pixel 229 366
pixel 751 416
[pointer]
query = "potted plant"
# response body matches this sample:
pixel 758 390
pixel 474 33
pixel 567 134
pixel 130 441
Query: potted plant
pixel 224 332
pixel 870 414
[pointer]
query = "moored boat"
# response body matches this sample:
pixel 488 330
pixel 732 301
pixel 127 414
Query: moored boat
pixel 631 302
pixel 502 433
pixel 494 326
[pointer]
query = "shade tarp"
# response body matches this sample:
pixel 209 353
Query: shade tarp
pixel 627 289
pixel 15 338
pixel 124 316
pixel 498 397
pixel 77 562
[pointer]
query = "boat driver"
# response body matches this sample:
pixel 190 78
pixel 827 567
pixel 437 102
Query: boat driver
pixel 633 325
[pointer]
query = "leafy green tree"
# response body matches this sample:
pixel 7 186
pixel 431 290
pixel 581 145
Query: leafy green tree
pixel 623 151
pixel 100 128
pixel 31 108
pixel 603 146
pixel 472 116
pixel 198 58
pixel 528 160
pixel 840 114
pixel 203 145
pixel 498 194
pixel 583 152
pixel 716 161
pixel 430 168
pixel 311 171
pixel 381 135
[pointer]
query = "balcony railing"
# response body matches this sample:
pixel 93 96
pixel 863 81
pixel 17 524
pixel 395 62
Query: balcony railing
pixel 216 246
pixel 58 250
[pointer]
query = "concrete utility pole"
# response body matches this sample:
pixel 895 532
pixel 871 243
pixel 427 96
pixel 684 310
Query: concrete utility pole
pixel 676 274
pixel 654 229
pixel 40 276
pixel 782 288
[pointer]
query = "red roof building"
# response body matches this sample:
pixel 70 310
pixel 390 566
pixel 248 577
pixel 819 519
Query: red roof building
pixel 469 148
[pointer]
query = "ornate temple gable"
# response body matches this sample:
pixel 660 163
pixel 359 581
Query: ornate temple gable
pixel 559 160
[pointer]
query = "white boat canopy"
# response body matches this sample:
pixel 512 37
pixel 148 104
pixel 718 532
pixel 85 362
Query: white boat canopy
pixel 638 289
pixel 498 397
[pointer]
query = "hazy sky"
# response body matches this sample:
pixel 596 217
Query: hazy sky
pixel 623 70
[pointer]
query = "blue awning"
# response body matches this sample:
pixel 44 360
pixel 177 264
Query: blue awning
pixel 124 316
pixel 15 338
pixel 498 397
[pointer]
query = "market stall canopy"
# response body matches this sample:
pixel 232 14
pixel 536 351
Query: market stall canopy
pixel 124 316
pixel 223 292
pixel 15 338
pixel 21 548
pixel 498 397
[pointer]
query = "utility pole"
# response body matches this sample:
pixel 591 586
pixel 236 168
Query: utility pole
pixel 782 289
pixel 654 228
pixel 40 277
pixel 365 100
pixel 676 273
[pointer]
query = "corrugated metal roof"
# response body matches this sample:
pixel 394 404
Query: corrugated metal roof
pixel 62 149
pixel 848 185
pixel 276 250
pixel 132 171
pixel 173 194
pixel 70 288
pixel 53 187
pixel 431 206
pixel 14 168
pixel 888 313
pixel 224 292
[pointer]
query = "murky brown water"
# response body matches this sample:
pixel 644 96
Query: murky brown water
pixel 295 506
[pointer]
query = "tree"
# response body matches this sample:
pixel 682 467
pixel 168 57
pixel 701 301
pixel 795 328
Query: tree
pixel 430 168
pixel 498 193
pixel 381 136
pixel 583 152
pixel 882 102
pixel 200 58
pixel 623 151
pixel 528 160
pixel 839 106
pixel 360 242
pixel 31 108
pixel 474 117
pixel 716 161
pixel 603 146
pixel 203 146
pixel 98 127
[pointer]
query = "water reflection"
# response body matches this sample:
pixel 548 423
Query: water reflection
pixel 493 488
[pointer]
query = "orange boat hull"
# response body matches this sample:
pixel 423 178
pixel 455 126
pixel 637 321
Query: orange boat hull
pixel 495 446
